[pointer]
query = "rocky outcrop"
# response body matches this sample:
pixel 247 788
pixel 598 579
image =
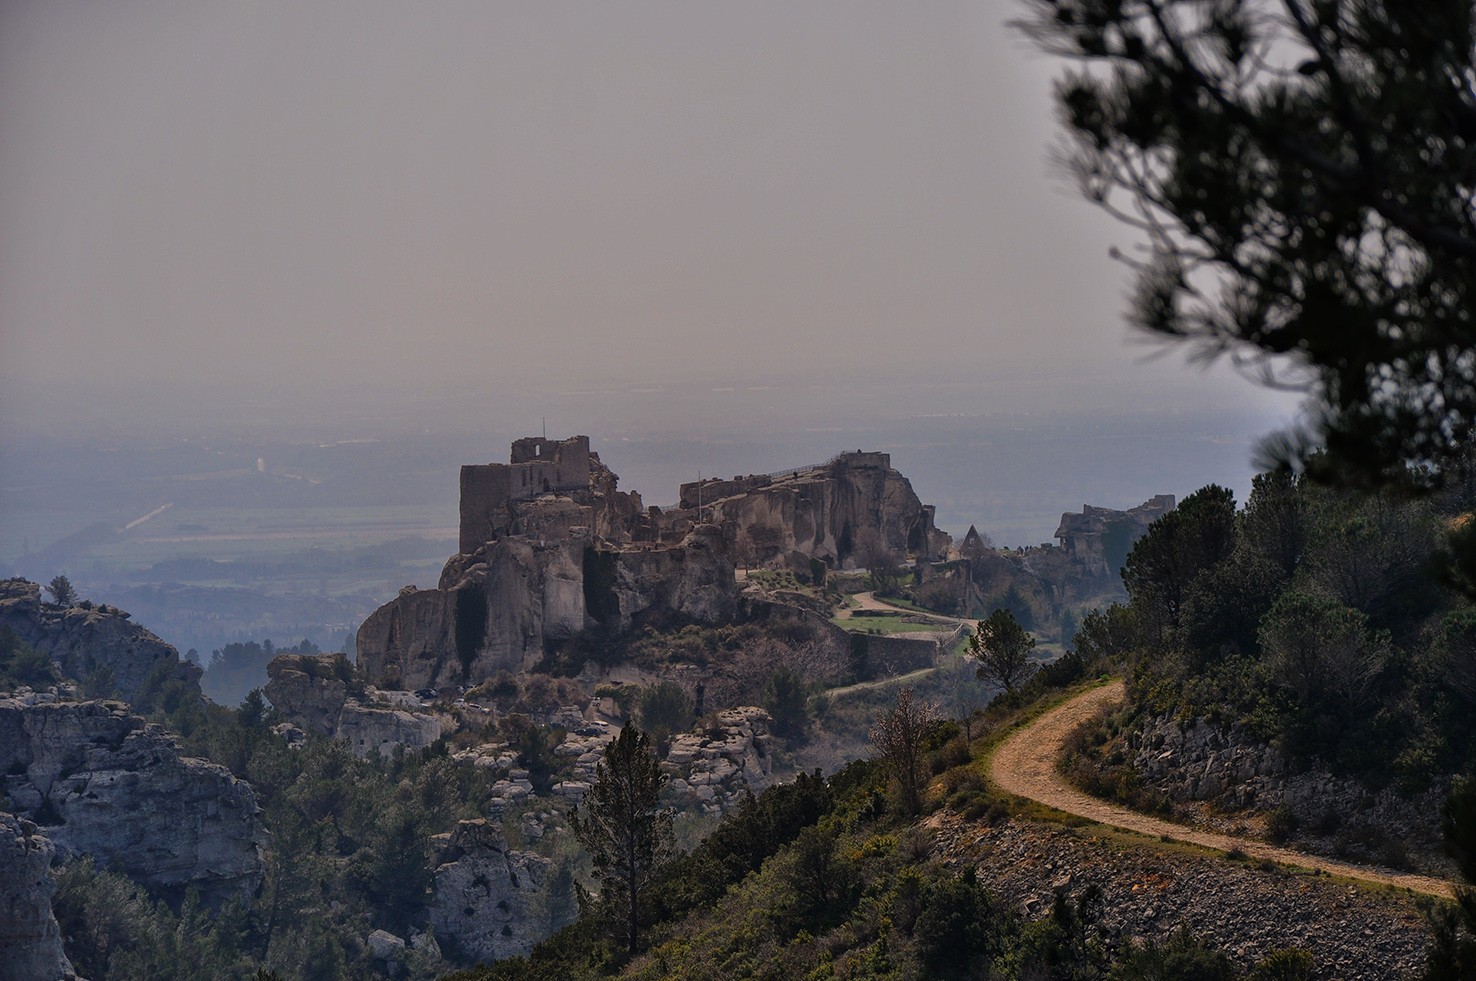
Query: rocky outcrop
pixel 486 899
pixel 85 640
pixel 504 608
pixel 825 512
pixel 1246 910
pixel 1194 760
pixel 102 782
pixel 1097 540
pixel 710 770
pixel 30 941
pixel 312 691
pixel 549 549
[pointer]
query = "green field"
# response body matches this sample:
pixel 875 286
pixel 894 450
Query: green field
pixel 889 625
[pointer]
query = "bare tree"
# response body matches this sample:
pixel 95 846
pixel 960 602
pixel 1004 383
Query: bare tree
pixel 881 561
pixel 900 737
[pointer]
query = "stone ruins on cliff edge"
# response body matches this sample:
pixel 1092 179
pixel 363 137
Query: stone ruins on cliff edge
pixel 549 547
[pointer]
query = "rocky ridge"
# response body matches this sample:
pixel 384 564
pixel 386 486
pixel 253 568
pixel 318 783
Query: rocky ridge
pixel 84 639
pixel 103 782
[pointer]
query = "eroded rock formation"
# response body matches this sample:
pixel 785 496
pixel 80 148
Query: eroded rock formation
pixel 86 639
pixel 312 691
pixel 1099 539
pixel 486 896
pixel 102 782
pixel 30 940
pixel 826 512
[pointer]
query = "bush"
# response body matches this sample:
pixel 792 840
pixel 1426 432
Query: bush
pixel 666 708
pixel 1288 964
pixel 1281 824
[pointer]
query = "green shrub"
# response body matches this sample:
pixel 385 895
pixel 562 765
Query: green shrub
pixel 1281 824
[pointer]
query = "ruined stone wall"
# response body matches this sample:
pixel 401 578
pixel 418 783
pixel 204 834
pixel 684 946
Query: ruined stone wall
pixel 863 460
pixel 486 490
pixel 539 466
pixel 715 488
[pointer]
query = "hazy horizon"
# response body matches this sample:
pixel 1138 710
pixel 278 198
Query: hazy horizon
pixel 208 207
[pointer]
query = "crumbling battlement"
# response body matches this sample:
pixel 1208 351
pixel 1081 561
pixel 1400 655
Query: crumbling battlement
pixel 709 489
pixel 1090 536
pixel 538 466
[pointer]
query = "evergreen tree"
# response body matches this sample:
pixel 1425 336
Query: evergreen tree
pixel 1302 173
pixel 62 592
pixel 1002 647
pixel 624 827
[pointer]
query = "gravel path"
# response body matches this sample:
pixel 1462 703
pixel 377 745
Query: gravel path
pixel 1025 765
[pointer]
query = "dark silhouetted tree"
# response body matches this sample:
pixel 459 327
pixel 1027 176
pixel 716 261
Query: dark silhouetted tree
pixel 1002 647
pixel 784 700
pixel 62 593
pixel 623 826
pixel 1162 567
pixel 1302 174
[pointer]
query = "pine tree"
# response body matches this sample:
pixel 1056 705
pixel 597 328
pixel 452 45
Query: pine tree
pixel 624 827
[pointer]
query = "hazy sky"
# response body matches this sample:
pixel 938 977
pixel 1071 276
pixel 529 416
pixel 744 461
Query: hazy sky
pixel 444 194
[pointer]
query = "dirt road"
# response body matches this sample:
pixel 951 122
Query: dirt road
pixel 1025 765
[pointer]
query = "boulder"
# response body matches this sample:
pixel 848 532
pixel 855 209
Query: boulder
pixel 486 896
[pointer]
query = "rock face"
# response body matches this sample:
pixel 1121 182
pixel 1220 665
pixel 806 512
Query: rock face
pixel 1098 537
pixel 506 606
pixel 711 769
pixel 311 691
pixel 486 896
pixel 30 941
pixel 824 512
pixel 85 639
pixel 104 783
pixel 1194 760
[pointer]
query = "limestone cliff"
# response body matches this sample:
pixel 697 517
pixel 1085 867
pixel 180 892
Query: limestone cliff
pixel 84 639
pixel 486 897
pixel 30 941
pixel 312 691
pixel 504 607
pixel 824 512
pixel 102 782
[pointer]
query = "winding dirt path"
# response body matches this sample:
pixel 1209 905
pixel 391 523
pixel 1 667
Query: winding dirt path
pixel 1025 765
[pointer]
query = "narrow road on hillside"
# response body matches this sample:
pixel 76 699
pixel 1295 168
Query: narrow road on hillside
pixel 1025 765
